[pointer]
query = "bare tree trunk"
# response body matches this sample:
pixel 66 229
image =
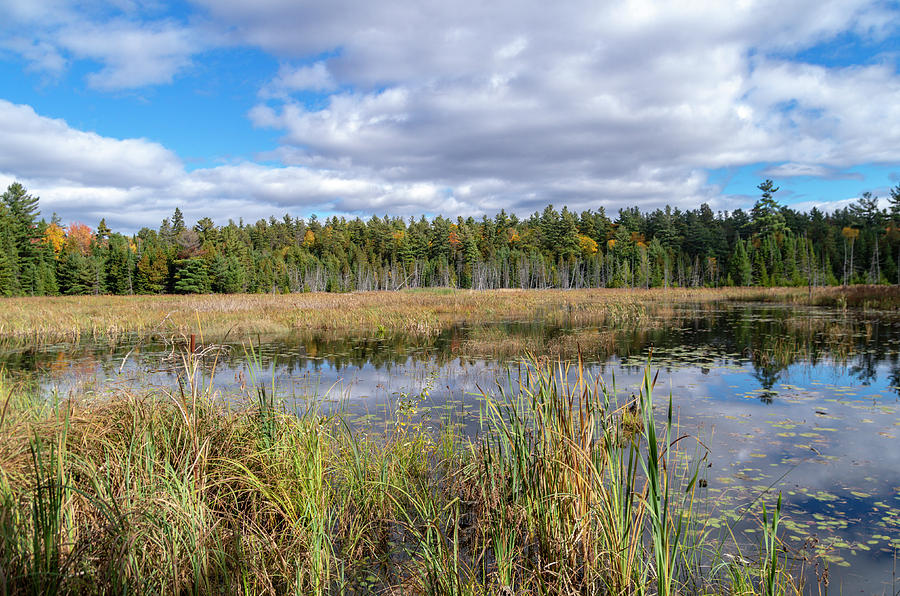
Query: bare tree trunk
pixel 852 243
pixel 875 269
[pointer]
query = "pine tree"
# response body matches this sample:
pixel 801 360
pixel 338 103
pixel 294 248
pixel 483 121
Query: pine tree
pixel 767 217
pixel 894 203
pixel 191 276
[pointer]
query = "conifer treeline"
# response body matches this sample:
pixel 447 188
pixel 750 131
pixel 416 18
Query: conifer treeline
pixel 769 245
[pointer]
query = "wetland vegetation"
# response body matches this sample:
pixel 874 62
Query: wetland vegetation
pixel 352 450
pixel 168 492
pixel 419 313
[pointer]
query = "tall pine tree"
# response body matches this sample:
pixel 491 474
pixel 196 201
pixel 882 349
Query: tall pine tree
pixel 22 211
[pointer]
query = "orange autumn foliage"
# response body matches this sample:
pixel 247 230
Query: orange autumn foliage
pixel 79 238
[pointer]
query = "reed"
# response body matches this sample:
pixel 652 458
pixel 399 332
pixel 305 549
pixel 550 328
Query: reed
pixel 173 492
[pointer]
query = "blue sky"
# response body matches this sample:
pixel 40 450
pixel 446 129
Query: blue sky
pixel 127 109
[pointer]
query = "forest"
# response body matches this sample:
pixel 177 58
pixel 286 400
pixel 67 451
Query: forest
pixel 769 245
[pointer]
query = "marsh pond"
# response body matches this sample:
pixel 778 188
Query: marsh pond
pixel 801 401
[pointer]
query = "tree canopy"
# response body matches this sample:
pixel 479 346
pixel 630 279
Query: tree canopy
pixel 769 245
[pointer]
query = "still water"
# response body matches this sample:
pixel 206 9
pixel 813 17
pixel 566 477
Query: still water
pixel 793 400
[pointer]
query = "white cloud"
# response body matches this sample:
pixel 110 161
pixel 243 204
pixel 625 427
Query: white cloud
pixel 133 56
pixel 84 176
pixel 42 56
pixel 314 77
pixel 578 103
pixel 831 206
pixel 37 147
pixel 132 51
pixel 837 117
pixel 471 107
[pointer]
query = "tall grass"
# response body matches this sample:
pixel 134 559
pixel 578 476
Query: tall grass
pixel 40 320
pixel 565 492
pixel 594 494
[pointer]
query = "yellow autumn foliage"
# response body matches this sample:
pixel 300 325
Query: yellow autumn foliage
pixel 55 236
pixel 587 245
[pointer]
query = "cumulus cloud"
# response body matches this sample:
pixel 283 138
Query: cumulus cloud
pixel 133 56
pixel 314 77
pixel 134 182
pixel 132 51
pixel 470 107
pixel 35 146
pixel 578 103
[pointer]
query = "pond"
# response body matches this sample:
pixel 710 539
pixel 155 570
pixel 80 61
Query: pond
pixel 801 401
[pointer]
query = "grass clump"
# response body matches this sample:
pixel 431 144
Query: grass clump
pixel 170 492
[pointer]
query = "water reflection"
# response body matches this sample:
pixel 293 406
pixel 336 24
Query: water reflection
pixel 768 339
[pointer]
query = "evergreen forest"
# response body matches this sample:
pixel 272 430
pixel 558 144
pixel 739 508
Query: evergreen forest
pixel 769 245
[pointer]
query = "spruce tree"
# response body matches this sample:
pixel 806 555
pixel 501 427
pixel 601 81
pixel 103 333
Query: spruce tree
pixel 760 273
pixel 227 274
pixel 119 267
pixel 177 222
pixel 151 271
pixel 103 230
pixel 9 277
pixel 7 274
pixel 22 211
pixel 740 269
pixel 74 272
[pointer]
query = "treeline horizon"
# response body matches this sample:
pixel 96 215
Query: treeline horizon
pixel 768 245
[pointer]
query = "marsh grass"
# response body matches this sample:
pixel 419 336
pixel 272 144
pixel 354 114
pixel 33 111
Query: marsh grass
pixel 867 297
pixel 170 492
pixel 423 313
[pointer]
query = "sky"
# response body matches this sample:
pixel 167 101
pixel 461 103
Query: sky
pixel 230 109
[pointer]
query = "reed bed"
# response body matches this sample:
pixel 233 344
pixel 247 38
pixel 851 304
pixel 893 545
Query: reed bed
pixel 420 313
pixel 168 491
pixel 868 297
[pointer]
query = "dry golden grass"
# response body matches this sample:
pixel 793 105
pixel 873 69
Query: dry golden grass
pixel 418 313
